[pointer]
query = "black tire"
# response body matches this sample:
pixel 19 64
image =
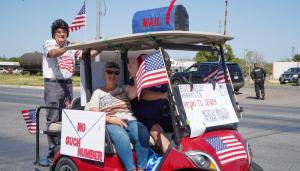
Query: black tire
pixel 176 82
pixel 282 82
pixel 298 82
pixel 65 164
pixel 255 167
pixel 237 90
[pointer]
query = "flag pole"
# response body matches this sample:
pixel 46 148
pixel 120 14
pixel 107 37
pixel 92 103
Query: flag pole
pixel 227 78
pixel 174 119
pixel 171 90
pixel 225 21
pixel 85 32
pixel 98 13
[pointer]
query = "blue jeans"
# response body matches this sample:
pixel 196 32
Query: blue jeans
pixel 137 134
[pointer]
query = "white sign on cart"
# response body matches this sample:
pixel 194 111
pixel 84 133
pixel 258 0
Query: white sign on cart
pixel 83 134
pixel 206 107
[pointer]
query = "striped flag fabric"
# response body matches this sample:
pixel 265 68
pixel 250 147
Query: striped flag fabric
pixel 66 63
pixel 228 148
pixel 79 20
pixel 30 119
pixel 217 75
pixel 151 72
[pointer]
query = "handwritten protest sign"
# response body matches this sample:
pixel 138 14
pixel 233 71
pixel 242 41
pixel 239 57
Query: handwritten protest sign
pixel 83 134
pixel 206 107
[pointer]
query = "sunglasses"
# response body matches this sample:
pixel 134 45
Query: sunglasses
pixel 113 72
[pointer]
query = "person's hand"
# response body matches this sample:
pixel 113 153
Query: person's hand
pixel 61 44
pixel 119 122
pixel 164 96
pixel 132 66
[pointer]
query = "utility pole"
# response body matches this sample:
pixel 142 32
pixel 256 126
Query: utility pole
pixel 98 13
pixel 293 52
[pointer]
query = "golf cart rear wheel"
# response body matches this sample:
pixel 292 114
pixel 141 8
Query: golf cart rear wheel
pixel 255 167
pixel 65 164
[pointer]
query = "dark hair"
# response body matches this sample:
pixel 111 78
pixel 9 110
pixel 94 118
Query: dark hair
pixel 59 23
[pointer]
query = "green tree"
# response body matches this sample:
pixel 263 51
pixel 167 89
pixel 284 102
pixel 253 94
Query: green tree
pixel 296 58
pixel 268 67
pixel 3 59
pixel 230 55
pixel 204 56
pixel 15 59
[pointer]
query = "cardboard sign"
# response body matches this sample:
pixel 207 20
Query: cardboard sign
pixel 206 107
pixel 83 134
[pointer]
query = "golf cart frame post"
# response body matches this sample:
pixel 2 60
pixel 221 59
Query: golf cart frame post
pixel 37 161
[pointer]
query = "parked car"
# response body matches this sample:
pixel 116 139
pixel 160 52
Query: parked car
pixel 3 71
pixel 292 75
pixel 198 71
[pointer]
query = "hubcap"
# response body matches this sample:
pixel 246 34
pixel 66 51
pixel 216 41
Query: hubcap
pixel 66 168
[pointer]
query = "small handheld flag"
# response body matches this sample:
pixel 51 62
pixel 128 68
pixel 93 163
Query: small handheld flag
pixel 217 75
pixel 30 119
pixel 151 72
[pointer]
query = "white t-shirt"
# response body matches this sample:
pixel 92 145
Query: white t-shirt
pixel 116 101
pixel 62 67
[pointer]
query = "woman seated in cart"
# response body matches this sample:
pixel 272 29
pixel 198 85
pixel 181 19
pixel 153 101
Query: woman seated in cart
pixel 120 122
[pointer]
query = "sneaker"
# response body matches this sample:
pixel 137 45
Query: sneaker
pixel 263 98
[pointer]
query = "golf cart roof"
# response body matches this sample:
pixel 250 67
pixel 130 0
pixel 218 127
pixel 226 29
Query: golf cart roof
pixel 150 40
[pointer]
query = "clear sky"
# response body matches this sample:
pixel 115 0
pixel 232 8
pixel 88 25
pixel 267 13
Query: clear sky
pixel 270 27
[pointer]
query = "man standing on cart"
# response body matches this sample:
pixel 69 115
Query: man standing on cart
pixel 58 69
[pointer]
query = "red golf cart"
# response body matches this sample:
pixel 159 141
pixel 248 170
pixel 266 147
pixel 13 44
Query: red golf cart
pixel 201 152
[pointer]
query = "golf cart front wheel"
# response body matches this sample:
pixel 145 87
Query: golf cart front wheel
pixel 65 164
pixel 255 167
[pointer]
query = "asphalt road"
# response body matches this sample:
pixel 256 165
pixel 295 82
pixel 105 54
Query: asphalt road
pixel 271 127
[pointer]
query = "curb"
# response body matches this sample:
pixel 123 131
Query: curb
pixel 30 87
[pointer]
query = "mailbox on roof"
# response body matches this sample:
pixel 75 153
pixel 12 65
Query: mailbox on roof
pixel 160 19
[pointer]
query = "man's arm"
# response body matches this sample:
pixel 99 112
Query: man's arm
pixel 132 92
pixel 151 95
pixel 54 53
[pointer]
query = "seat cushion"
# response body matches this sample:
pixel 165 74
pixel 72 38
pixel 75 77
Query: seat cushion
pixel 55 127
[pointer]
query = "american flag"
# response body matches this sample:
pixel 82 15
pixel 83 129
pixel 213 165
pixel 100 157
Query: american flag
pixel 151 72
pixel 30 119
pixel 217 75
pixel 228 148
pixel 66 62
pixel 79 20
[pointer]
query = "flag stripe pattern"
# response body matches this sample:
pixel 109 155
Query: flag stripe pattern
pixel 228 148
pixel 30 119
pixel 66 63
pixel 217 75
pixel 151 72
pixel 79 20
